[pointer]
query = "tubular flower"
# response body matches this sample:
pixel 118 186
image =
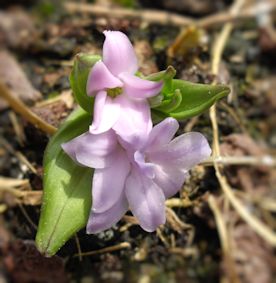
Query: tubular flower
pixel 136 177
pixel 120 96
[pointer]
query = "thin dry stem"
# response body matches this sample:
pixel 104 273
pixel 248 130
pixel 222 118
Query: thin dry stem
pixel 20 156
pixel 78 247
pixel 265 160
pixel 11 182
pixel 130 219
pixel 217 52
pixel 19 107
pixel 161 236
pixel 20 190
pixel 167 18
pixel 18 129
pixel 177 202
pixel 259 227
pixel 222 229
pixel 26 215
pixel 235 117
pixel 185 252
pixel 124 245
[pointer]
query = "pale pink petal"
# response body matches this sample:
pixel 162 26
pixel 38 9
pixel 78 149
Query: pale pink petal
pixel 146 201
pixel 170 180
pixel 99 222
pixel 92 150
pixel 136 87
pixel 183 152
pixel 146 168
pixel 162 134
pixel 98 108
pixel 100 78
pixel 134 123
pixel 108 183
pixel 118 53
pixel 106 113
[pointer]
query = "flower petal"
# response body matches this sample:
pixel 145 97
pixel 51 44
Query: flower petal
pixel 134 123
pixel 118 53
pixel 162 134
pixel 108 183
pixel 183 152
pixel 138 88
pixel 100 78
pixel 99 222
pixel 146 201
pixel 146 168
pixel 169 180
pixel 106 113
pixel 92 150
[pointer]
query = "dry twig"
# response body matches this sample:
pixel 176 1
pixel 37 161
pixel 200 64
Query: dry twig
pixel 21 157
pixel 222 229
pixel 258 226
pixel 26 215
pixel 20 190
pixel 124 245
pixel 78 247
pixel 217 52
pixel 19 107
pixel 18 128
pixel 167 18
pixel 265 160
pixel 224 238
pixel 177 202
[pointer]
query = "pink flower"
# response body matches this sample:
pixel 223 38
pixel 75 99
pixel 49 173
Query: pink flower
pixel 120 96
pixel 136 177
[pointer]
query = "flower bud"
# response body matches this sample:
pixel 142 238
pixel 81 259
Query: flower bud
pixel 78 79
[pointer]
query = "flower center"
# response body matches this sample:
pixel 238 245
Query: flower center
pixel 113 92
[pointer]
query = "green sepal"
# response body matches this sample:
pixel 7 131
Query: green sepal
pixel 166 77
pixel 78 79
pixel 167 74
pixel 186 99
pixel 172 102
pixel 67 188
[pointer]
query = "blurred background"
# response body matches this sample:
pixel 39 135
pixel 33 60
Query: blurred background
pixel 220 227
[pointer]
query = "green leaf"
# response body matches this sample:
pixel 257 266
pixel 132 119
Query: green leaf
pixel 195 99
pixel 78 79
pixel 67 189
pixel 165 75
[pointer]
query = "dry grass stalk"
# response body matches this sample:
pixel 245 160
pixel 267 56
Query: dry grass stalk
pixel 26 215
pixel 178 202
pixel 167 18
pixel 224 236
pixel 18 128
pixel 162 237
pixel 20 190
pixel 78 247
pixel 217 52
pixel 13 183
pixel 19 107
pixel 123 245
pixel 20 156
pixel 257 225
pixel 266 160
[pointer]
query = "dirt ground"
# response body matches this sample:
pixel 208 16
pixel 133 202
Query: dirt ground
pixel 221 227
